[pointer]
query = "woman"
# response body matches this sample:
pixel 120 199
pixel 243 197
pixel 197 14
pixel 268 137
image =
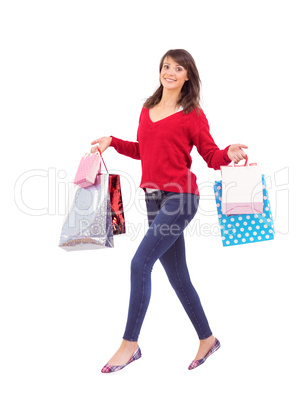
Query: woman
pixel 170 124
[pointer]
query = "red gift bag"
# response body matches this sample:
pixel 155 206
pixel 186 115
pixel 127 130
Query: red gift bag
pixel 116 203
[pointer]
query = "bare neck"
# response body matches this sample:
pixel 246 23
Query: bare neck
pixel 169 99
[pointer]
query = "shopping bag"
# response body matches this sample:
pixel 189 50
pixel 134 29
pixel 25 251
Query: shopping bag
pixel 87 170
pixel 88 224
pixel 245 228
pixel 242 189
pixel 116 204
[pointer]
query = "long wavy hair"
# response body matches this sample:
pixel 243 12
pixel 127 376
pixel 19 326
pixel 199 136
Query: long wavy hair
pixel 190 92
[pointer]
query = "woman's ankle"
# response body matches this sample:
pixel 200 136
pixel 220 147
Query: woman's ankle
pixel 210 339
pixel 129 345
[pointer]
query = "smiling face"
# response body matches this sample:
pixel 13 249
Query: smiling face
pixel 172 75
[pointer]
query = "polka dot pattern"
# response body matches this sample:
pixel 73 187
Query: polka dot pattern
pixel 242 229
pixel 87 170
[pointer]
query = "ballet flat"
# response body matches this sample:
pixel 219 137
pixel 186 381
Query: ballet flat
pixel 197 363
pixel 108 368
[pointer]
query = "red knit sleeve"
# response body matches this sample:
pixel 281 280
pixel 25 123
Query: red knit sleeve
pixel 127 148
pixel 206 146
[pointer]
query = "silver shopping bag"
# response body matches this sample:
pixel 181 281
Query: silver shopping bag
pixel 88 224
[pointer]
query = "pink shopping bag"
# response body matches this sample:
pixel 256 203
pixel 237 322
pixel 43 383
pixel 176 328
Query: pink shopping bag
pixel 88 170
pixel 242 191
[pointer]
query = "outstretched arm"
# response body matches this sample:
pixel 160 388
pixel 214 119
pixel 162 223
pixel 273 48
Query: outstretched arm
pixel 207 148
pixel 127 148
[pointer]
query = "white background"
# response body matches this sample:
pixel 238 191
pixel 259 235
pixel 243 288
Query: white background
pixel 73 71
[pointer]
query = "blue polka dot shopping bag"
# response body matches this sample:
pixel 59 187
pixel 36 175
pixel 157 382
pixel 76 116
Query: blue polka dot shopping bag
pixel 246 228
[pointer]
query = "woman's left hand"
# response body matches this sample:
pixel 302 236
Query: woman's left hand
pixel 236 153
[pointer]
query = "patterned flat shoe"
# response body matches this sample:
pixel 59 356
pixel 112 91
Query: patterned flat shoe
pixel 111 369
pixel 197 363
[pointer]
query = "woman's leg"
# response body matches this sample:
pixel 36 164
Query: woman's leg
pixel 168 217
pixel 176 211
pixel 174 263
pixel 172 214
pixel 175 266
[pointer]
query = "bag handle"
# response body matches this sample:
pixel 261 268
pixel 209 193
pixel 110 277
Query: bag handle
pixel 102 161
pixel 245 164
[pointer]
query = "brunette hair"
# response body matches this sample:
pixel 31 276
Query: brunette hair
pixel 190 92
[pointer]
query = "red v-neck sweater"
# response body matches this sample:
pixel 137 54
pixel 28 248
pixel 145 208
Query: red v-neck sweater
pixel 164 149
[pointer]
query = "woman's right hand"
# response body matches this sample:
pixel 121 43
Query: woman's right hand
pixel 103 144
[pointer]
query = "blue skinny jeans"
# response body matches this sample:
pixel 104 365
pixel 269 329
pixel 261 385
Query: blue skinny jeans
pixel 168 215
